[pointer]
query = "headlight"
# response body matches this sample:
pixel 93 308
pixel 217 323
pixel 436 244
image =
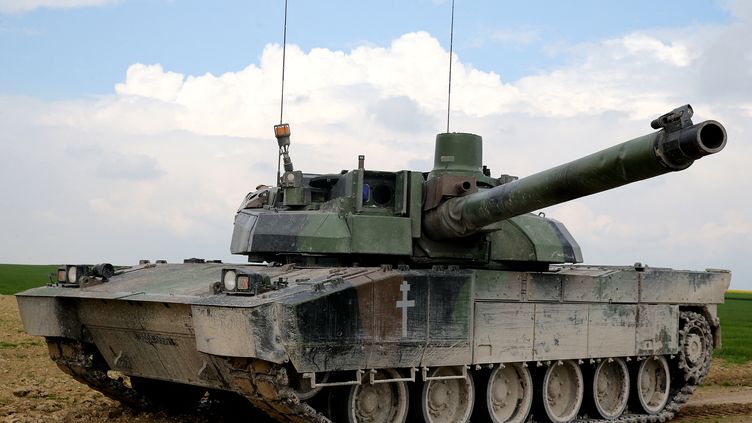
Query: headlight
pixel 72 274
pixel 243 282
pixel 229 280
pixel 61 274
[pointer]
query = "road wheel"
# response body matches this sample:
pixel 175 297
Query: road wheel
pixel 653 384
pixel 447 400
pixel 562 391
pixel 385 402
pixel 509 393
pixel 610 388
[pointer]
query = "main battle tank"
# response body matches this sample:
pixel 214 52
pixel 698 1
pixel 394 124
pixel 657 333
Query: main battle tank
pixel 374 296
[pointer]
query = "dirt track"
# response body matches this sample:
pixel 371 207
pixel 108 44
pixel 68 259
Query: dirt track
pixel 32 389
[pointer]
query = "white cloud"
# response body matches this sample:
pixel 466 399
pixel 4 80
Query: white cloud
pixel 742 9
pixel 733 224
pixel 641 44
pixel 638 74
pixel 156 169
pixel 151 82
pixel 20 6
pixel 583 221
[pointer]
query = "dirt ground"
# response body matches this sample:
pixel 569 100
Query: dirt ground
pixel 32 389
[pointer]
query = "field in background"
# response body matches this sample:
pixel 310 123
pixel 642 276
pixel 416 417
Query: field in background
pixel 736 327
pixel 18 277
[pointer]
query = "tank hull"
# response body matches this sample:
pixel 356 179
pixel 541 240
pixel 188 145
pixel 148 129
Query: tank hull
pixel 166 322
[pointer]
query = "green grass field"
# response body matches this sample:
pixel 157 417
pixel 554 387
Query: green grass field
pixel 736 327
pixel 17 277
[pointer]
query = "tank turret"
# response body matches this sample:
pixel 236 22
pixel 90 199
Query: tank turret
pixel 457 213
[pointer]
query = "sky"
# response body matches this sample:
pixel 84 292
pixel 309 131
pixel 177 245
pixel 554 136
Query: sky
pixel 132 129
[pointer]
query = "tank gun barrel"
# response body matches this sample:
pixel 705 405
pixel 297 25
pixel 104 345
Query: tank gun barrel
pixel 674 147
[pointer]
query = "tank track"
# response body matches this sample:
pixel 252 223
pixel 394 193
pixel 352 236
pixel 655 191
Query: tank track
pixel 676 402
pixel 88 367
pixel 266 385
pixel 262 383
pixel 692 375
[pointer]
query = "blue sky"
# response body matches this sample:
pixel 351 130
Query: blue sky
pixel 132 129
pixel 57 53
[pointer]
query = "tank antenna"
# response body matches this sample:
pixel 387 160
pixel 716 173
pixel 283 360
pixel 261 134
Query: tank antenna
pixel 451 45
pixel 282 131
pixel 284 51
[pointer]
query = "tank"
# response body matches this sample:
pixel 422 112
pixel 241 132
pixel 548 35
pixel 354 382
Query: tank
pixel 377 296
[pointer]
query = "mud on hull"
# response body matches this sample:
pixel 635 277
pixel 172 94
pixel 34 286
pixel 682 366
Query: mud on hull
pixel 435 344
pixel 507 392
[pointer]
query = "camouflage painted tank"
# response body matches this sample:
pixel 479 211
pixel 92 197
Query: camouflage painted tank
pixel 375 296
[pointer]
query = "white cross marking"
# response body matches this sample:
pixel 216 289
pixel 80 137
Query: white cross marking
pixel 404 304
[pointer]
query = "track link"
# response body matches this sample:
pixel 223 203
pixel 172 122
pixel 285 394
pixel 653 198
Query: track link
pixel 266 386
pixel 85 365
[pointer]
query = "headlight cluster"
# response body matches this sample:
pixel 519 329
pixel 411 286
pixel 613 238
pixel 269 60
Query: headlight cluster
pixel 71 274
pixel 74 274
pixel 241 281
